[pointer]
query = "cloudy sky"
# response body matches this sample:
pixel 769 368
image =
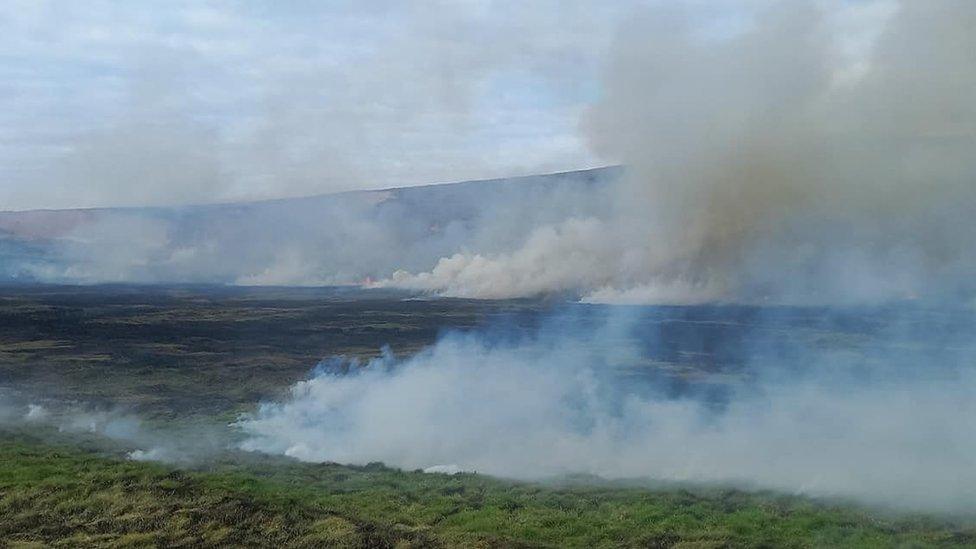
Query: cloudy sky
pixel 135 103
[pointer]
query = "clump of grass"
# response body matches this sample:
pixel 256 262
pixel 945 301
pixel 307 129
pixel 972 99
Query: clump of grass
pixel 59 494
pixel 54 495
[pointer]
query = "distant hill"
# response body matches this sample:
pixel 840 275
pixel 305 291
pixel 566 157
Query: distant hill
pixel 325 239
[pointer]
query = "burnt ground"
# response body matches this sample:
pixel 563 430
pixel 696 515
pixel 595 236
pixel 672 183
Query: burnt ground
pixel 184 351
pixel 203 350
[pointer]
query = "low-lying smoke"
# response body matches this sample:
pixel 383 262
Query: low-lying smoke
pixel 332 239
pixel 142 441
pixel 824 419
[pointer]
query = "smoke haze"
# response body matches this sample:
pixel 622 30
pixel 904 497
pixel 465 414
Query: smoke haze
pixel 142 440
pixel 769 164
pixel 793 152
pixel 874 414
pixel 113 104
pixel 331 239
pixel 803 153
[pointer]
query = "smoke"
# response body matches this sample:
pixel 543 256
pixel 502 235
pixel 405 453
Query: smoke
pixel 114 105
pixel 141 440
pixel 791 160
pixel 791 152
pixel 553 259
pixel 876 414
pixel 811 152
pixel 331 239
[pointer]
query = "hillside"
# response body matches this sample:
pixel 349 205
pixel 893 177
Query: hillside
pixel 318 240
pixel 52 492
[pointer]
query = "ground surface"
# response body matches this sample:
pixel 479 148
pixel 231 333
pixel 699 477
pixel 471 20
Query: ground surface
pixel 196 355
pixel 202 350
pixel 73 494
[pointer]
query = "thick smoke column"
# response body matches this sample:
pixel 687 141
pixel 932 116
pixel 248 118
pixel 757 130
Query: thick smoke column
pixel 779 162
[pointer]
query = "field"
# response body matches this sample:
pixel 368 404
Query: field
pixel 69 493
pixel 191 359
pixel 204 351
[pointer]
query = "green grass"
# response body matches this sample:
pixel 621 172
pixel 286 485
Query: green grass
pixel 61 496
pixel 64 494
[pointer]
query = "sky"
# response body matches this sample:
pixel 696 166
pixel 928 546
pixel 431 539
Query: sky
pixel 161 103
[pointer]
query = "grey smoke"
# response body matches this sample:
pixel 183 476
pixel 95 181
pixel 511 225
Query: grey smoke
pixel 331 239
pixel 797 152
pixel 141 439
pixel 769 164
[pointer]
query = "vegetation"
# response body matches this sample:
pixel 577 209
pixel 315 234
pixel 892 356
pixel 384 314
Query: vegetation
pixel 179 352
pixel 69 494
pixel 205 352
pixel 186 360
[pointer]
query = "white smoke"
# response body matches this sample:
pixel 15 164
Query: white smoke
pixel 325 240
pixel 808 152
pixel 553 259
pixel 143 440
pixel 547 405
pixel 792 159
pixel 797 152
pixel 36 412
